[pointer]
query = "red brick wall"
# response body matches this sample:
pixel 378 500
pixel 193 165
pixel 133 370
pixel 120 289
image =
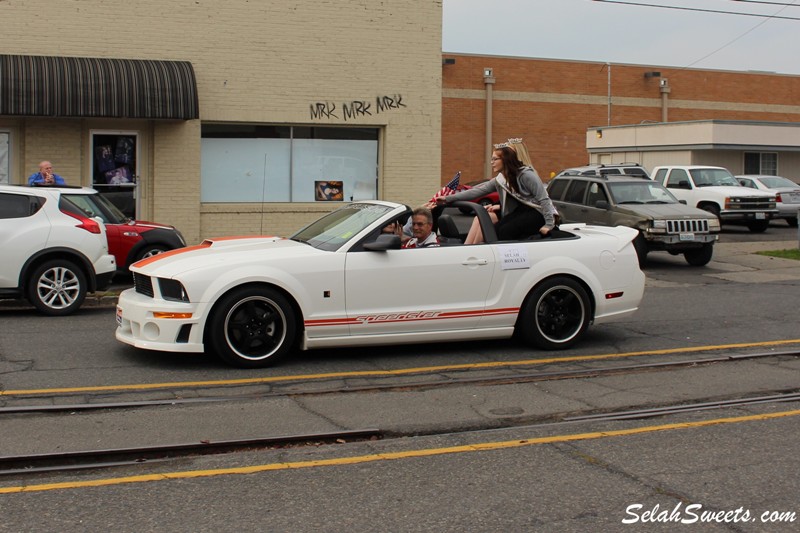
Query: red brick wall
pixel 550 104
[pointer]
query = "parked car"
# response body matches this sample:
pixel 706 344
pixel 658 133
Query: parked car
pixel 51 255
pixel 251 299
pixel 129 240
pixel 630 169
pixel 715 189
pixel 643 204
pixel 787 194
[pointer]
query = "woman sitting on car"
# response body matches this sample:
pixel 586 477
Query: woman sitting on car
pixel 525 208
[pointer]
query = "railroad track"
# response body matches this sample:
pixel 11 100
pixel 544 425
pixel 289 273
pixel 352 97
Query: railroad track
pixel 27 465
pixel 424 382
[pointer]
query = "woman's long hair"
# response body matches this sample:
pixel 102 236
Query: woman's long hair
pixel 511 166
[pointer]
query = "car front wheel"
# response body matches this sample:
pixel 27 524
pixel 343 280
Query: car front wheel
pixel 57 287
pixel 699 256
pixel 252 327
pixel 758 226
pixel 149 251
pixel 555 315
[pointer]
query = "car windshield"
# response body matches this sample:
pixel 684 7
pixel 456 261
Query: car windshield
pixel 335 229
pixel 713 177
pixel 776 182
pixel 95 205
pixel 641 192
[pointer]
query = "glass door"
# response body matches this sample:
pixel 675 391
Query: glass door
pixel 114 168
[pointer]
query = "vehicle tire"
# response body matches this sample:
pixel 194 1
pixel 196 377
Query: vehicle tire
pixel 792 221
pixel 758 226
pixel 252 327
pixel 150 250
pixel 57 287
pixel 555 315
pixel 640 245
pixel 699 256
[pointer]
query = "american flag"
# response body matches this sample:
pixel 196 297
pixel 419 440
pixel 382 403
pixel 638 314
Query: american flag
pixel 448 189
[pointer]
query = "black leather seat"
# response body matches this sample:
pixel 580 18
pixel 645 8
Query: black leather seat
pixel 449 231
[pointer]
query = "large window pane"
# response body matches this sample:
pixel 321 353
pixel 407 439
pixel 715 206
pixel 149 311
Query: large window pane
pixel 244 170
pixel 349 163
pixel 249 163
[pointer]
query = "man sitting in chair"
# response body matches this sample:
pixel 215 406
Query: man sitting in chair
pixel 422 229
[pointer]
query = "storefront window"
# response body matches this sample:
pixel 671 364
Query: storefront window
pixel 288 164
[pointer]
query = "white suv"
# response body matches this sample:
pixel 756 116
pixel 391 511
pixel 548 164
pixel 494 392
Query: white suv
pixel 51 256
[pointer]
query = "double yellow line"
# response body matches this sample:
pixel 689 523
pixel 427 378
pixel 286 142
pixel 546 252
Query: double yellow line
pixel 392 456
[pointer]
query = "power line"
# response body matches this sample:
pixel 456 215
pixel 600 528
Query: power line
pixel 702 10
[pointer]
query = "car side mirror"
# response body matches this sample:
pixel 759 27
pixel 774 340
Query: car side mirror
pixel 683 184
pixel 682 202
pixel 602 204
pixel 383 242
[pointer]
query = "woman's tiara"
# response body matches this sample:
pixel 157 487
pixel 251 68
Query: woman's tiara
pixel 508 143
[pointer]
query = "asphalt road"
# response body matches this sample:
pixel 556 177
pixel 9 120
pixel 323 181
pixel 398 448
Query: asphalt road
pixel 468 457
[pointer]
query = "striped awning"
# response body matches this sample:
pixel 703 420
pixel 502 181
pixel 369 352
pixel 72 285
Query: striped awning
pixel 49 86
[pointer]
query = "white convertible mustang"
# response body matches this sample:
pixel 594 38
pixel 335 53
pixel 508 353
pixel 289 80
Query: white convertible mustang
pixel 341 282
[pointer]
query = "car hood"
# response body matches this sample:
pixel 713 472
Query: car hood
pixel 144 225
pixel 672 211
pixel 222 253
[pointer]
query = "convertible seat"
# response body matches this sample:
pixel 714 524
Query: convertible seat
pixel 449 231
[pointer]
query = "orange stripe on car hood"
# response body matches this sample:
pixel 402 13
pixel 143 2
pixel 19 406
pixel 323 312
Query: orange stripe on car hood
pixel 205 244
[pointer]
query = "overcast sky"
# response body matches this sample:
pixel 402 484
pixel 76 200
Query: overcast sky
pixel 617 33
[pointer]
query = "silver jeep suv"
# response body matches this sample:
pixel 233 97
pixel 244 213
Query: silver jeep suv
pixel 51 256
pixel 663 222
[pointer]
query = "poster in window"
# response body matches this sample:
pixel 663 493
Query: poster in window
pixel 328 191
pixel 118 176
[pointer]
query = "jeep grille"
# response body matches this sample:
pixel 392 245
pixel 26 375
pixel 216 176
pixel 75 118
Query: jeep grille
pixel 687 226
pixel 143 284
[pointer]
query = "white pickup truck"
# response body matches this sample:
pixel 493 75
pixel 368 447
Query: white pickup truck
pixel 717 191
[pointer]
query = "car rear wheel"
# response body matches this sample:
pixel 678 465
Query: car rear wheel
pixel 57 287
pixel 792 221
pixel 252 327
pixel 699 256
pixel 555 315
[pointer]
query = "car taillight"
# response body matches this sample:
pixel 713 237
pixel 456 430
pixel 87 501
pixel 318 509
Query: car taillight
pixel 778 197
pixel 90 225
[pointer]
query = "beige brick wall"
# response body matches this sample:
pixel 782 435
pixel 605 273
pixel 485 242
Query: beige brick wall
pixel 256 62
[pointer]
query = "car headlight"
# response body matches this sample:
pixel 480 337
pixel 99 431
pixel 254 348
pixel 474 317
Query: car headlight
pixel 660 223
pixel 713 224
pixel 172 290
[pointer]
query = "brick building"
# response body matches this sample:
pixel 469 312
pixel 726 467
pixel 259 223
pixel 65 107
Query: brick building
pixel 551 105
pixel 288 95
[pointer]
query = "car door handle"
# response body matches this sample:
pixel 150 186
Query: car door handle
pixel 471 262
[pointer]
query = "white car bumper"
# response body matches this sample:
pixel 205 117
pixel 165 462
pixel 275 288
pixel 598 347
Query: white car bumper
pixel 155 324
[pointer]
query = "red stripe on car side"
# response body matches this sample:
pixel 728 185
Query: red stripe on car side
pixel 442 316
